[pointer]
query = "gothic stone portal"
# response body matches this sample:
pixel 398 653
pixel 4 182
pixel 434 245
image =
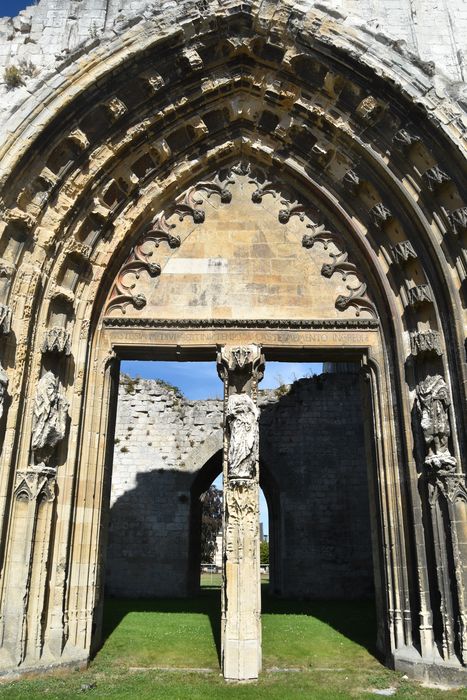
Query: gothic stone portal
pixel 263 182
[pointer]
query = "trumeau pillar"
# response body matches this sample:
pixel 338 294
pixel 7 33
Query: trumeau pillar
pixel 241 368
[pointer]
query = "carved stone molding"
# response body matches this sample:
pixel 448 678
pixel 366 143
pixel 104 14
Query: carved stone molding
pixel 35 484
pixel 57 340
pixel 283 324
pixel 423 342
pixel 420 294
pixel 5 319
pixel 435 177
pixel 403 252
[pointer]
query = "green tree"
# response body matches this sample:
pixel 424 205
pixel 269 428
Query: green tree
pixel 264 553
pixel 211 522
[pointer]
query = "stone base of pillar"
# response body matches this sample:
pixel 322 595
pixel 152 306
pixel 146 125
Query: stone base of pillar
pixel 432 671
pixel 242 659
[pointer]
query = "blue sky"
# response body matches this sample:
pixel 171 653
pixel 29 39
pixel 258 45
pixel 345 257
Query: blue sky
pixel 10 8
pixel 199 380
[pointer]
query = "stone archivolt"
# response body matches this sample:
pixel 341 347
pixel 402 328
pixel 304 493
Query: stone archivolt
pixel 259 88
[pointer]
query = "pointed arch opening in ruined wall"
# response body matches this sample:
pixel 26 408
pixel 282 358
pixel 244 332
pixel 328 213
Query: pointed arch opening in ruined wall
pixel 249 186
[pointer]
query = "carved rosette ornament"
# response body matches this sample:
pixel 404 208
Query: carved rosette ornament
pixel 433 404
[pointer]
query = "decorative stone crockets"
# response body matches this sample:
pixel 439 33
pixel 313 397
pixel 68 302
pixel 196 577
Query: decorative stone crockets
pixel 241 368
pixel 433 403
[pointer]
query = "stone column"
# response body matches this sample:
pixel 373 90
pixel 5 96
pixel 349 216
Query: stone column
pixel 241 368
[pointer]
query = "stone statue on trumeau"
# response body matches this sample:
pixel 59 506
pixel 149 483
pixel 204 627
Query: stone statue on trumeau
pixel 242 419
pixel 49 419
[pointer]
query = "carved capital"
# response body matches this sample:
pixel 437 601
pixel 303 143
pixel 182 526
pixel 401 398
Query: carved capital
pixel 379 214
pixel 435 177
pixel 115 108
pixel 57 340
pixel 421 294
pixel 247 359
pixel 423 342
pixel 351 181
pixel 458 220
pixel 404 139
pixel 403 252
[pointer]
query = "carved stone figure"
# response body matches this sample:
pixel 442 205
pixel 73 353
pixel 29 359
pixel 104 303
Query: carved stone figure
pixel 242 418
pixel 3 388
pixel 49 420
pixel 433 402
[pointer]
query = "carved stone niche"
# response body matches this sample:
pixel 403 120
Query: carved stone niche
pixel 5 319
pixel 425 342
pixel 420 294
pixel 57 340
pixel 403 252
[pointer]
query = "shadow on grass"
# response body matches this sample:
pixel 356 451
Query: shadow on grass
pixel 356 620
pixel 208 603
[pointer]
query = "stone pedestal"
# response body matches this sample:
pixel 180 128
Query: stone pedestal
pixel 241 369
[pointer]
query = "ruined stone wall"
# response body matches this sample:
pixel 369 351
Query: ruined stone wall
pixel 315 472
pixel 161 441
pixel 47 32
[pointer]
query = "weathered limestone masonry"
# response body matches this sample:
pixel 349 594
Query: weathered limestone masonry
pixel 241 369
pixel 312 454
pixel 215 173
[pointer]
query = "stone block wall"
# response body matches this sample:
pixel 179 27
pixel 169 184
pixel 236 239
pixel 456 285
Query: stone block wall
pixel 314 477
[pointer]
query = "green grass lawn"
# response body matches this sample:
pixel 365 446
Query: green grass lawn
pixel 310 650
